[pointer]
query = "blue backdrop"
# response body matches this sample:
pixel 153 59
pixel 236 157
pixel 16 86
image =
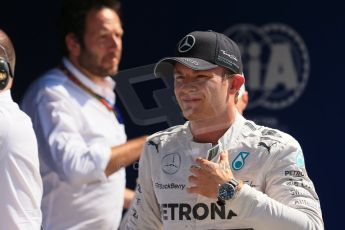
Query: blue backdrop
pixel 292 52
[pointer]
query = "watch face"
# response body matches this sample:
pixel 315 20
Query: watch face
pixel 226 191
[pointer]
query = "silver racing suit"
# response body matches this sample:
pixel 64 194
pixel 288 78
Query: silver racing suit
pixel 277 193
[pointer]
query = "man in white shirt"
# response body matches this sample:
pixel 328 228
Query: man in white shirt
pixel 219 170
pixel 82 144
pixel 21 184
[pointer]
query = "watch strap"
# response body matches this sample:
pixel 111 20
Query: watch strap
pixel 234 182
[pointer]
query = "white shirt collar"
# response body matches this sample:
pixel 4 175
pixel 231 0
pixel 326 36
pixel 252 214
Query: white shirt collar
pixel 6 96
pixel 105 90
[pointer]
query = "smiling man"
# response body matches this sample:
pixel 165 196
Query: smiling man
pixel 83 146
pixel 219 170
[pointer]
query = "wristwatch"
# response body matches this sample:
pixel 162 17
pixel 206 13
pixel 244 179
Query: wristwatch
pixel 227 191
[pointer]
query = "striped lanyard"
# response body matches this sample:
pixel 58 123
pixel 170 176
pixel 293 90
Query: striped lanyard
pixel 101 99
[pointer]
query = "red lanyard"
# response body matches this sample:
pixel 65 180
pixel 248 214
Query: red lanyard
pixel 75 80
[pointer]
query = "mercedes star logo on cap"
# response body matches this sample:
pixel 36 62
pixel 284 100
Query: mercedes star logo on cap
pixel 186 43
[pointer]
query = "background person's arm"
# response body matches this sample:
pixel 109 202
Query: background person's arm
pixel 129 196
pixel 125 154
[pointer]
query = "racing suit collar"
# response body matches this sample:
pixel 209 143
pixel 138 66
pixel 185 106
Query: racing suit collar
pixel 225 142
pixel 230 137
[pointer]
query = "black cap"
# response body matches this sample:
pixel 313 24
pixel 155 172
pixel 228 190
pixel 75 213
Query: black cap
pixel 203 50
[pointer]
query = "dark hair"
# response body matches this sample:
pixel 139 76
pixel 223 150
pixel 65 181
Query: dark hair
pixel 10 55
pixel 73 16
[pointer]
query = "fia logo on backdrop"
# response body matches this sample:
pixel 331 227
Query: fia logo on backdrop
pixel 275 61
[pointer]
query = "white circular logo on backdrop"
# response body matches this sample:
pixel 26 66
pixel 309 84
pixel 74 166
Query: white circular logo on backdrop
pixel 275 61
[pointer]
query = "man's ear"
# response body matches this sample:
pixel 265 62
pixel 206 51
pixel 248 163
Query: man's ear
pixel 237 80
pixel 73 45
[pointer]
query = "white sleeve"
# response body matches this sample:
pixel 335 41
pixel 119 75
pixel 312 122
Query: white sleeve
pixel 144 213
pixel 289 201
pixel 77 161
pixel 3 133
